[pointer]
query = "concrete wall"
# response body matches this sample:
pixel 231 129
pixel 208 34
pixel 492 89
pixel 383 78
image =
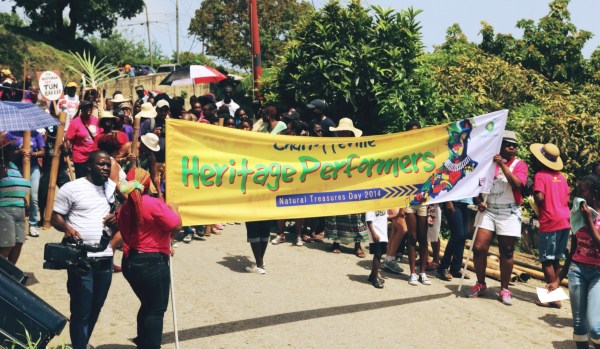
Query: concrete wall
pixel 151 82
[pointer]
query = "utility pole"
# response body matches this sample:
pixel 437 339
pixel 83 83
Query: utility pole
pixel 256 61
pixel 177 31
pixel 149 41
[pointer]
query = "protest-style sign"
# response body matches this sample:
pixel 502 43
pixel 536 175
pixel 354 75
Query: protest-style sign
pixel 50 85
pixel 218 174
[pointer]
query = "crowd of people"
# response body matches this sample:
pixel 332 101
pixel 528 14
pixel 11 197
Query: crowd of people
pixel 120 190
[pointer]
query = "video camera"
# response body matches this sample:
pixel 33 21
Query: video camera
pixel 72 255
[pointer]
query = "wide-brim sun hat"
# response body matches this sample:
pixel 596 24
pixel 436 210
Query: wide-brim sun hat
pixel 548 154
pixel 119 98
pixel 150 140
pixel 126 105
pixel 147 111
pixel 346 124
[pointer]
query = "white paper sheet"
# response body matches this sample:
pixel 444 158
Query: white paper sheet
pixel 546 297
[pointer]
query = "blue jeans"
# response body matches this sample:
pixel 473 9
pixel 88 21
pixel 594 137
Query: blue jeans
pixel 458 223
pixel 149 276
pixel 584 290
pixel 35 184
pixel 88 293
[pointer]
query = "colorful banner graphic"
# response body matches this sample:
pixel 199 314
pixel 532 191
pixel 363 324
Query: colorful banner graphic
pixel 218 174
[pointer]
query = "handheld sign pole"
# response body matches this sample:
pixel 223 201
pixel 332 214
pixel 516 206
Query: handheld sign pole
pixel 478 223
pixel 136 137
pixel 51 89
pixel 62 117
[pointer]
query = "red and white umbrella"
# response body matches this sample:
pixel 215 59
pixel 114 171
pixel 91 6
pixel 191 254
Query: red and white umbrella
pixel 193 75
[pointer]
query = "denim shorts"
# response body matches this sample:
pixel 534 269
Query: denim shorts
pixel 552 245
pixel 505 220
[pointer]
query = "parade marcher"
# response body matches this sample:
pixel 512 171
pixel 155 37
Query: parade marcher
pixel 351 227
pixel 13 191
pixel 81 135
pixel 318 108
pixel 378 237
pixel 147 224
pixel 551 194
pixel 501 217
pixel 70 103
pixel 82 210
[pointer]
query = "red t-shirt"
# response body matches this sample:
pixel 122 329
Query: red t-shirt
pixel 586 252
pixel 121 137
pixel 158 221
pixel 554 214
pixel 81 141
pixel 520 171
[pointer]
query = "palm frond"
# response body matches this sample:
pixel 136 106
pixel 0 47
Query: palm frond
pixel 93 72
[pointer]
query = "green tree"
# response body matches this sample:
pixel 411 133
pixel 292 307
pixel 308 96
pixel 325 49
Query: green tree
pixel 88 16
pixel 552 46
pixel 224 27
pixel 11 19
pixel 189 58
pixel 365 62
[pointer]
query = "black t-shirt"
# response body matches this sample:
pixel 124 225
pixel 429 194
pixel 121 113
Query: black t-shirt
pixel 326 123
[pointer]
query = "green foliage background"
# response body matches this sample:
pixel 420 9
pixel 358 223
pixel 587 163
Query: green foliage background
pixel 369 64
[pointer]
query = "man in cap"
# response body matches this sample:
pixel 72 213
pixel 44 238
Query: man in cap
pixel 551 194
pixel 126 119
pixel 141 93
pixel 318 107
pixel 69 103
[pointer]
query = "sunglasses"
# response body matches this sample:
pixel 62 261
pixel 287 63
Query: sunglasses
pixel 508 144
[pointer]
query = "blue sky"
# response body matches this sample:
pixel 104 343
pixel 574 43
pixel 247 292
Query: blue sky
pixel 436 17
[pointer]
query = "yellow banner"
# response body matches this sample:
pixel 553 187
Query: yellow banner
pixel 218 174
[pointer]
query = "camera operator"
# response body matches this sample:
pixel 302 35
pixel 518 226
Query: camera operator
pixel 82 210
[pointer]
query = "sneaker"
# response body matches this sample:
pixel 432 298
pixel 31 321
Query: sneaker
pixel 299 242
pixel 278 240
pixel 476 291
pixel 505 297
pixel 424 279
pixel 256 270
pixel 413 280
pixel 33 231
pixel 391 266
pixel 187 239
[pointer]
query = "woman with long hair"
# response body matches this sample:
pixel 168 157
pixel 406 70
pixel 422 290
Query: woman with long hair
pixel 146 224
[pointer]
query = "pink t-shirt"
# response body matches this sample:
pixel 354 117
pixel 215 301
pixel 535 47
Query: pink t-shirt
pixel 80 138
pixel 520 171
pixel 554 213
pixel 586 252
pixel 158 221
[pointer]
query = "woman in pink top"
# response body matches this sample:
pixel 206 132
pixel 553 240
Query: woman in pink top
pixel 81 134
pixel 146 224
pixel 584 270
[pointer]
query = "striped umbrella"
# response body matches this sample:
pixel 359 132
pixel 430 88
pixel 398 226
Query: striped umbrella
pixel 193 75
pixel 20 116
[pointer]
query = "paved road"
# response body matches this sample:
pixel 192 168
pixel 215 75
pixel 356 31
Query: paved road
pixel 309 299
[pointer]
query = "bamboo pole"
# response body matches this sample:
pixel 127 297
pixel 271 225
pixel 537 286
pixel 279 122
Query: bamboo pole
pixel 27 170
pixel 135 142
pixel 62 117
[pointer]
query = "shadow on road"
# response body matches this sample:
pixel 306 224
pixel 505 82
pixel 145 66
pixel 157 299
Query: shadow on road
pixel 278 319
pixel 236 263
pixel 556 321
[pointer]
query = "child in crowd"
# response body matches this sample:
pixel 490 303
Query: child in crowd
pixel 378 237
pixel 584 263
pixel 551 194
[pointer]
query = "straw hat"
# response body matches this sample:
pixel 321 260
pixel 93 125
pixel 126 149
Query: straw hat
pixel 107 115
pixel 119 98
pixel 72 84
pixel 346 124
pixel 150 140
pixel 147 111
pixel 162 103
pixel 126 105
pixel 548 154
pixel 510 136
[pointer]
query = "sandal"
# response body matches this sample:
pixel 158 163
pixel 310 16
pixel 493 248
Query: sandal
pixel 359 253
pixel 556 305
